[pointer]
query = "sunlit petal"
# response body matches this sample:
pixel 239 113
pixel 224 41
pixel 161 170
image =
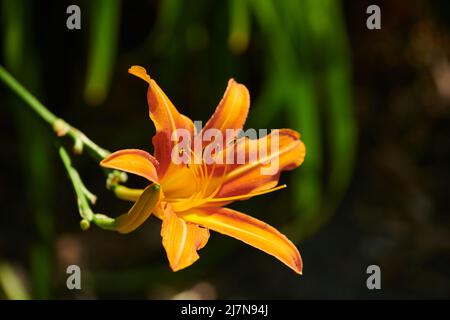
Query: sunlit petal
pixel 140 211
pixel 166 118
pixel 249 230
pixel 133 161
pixel 181 240
pixel 232 110
pixel 263 172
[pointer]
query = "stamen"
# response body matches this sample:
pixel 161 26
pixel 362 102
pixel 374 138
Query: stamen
pixel 242 196
pixel 248 195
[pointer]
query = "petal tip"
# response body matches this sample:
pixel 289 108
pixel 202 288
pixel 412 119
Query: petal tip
pixel 134 161
pixel 298 265
pixel 178 267
pixel 139 72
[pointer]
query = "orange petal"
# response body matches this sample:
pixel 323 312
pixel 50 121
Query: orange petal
pixel 249 230
pixel 140 211
pixel 166 119
pixel 139 72
pixel 133 161
pixel 248 177
pixel 232 110
pixel 179 182
pixel 181 240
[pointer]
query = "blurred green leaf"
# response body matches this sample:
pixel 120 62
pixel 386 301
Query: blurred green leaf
pixel 41 271
pixel 11 283
pixel 169 14
pixel 308 75
pixel 342 133
pixel 34 149
pixel 103 28
pixel 239 33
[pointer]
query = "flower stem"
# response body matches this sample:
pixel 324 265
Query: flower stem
pixel 84 197
pixel 80 190
pixel 60 126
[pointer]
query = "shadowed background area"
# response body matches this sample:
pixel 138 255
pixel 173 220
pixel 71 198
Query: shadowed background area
pixel 373 108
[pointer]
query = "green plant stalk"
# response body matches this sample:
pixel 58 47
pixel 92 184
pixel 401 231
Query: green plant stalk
pixel 292 86
pixel 11 283
pixel 168 13
pixel 104 19
pixel 18 48
pixel 239 34
pixel 343 124
pixel 60 126
pixel 308 118
pixel 84 197
pixel 80 190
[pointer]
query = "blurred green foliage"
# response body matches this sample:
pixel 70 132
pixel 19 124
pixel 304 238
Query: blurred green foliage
pixel 34 141
pixel 308 75
pixel 103 33
pixel 11 283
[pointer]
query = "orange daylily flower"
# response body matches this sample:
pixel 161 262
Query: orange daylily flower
pixel 189 198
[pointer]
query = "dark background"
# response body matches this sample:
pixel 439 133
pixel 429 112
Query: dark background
pixel 372 106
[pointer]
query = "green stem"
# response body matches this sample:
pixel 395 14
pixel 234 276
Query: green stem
pixel 84 197
pixel 80 190
pixel 60 126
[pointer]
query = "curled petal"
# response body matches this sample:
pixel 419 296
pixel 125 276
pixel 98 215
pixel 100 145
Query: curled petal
pixel 181 240
pixel 249 230
pixel 166 118
pixel 232 110
pixel 140 72
pixel 140 211
pixel 261 170
pixel 133 161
